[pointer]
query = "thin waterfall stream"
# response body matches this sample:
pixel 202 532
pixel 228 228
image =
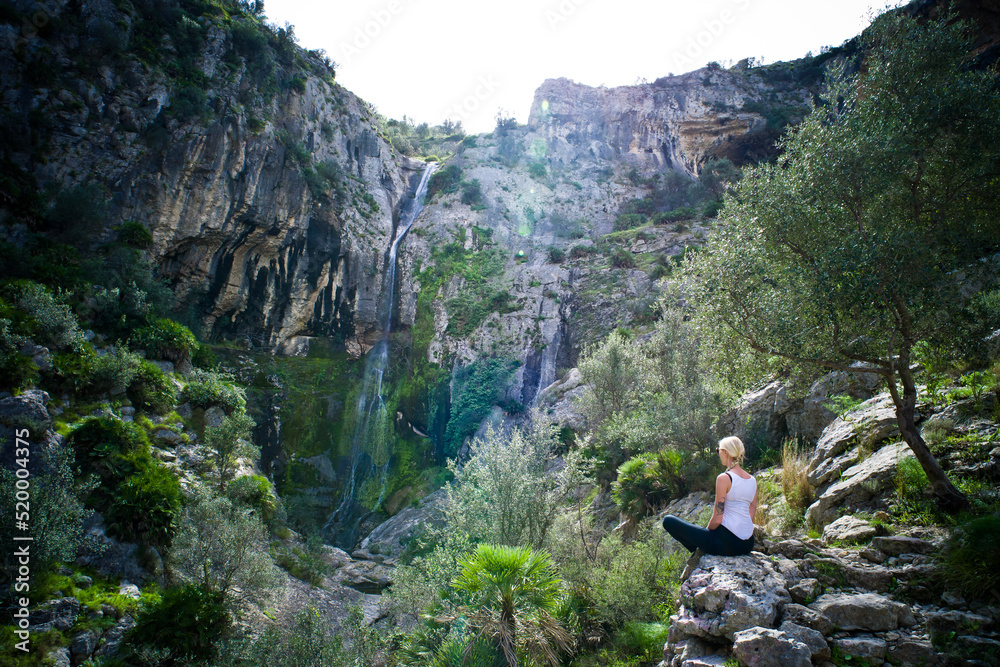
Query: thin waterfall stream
pixel 371 444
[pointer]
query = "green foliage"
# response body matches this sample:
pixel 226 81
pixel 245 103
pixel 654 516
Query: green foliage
pixel 425 579
pixel 255 492
pixel 629 221
pixel 305 644
pixel 578 251
pixel 650 397
pixel 444 180
pixel 970 560
pixel 911 480
pixel 476 389
pixel 621 258
pixel 114 370
pixel 16 370
pixel 229 441
pixel 222 548
pixel 79 214
pixel 502 494
pixel 186 624
pixel 842 404
pixel 472 194
pixel 56 513
pixel 138 496
pixel 648 481
pixel 717 175
pixel 817 251
pixel 629 579
pixel 208 388
pixel 514 597
pixel 556 254
pixel 166 339
pixel 44 317
pixel 794 484
pixel 135 234
pixel 642 640
pixel 537 170
pixel 151 390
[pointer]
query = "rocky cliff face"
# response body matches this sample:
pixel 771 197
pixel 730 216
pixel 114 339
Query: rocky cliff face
pixel 270 214
pixel 677 122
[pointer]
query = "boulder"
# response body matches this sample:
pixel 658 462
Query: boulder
pixel 816 416
pixel 946 624
pixel 861 483
pixel 83 645
pixel 805 591
pixel 895 545
pixel 871 649
pixel 724 595
pixel 863 611
pixel 913 652
pixel 27 409
pixel 765 647
pixel 112 639
pixel 849 529
pixel 807 617
pixel 364 576
pixel 790 548
pixel 389 539
pixel 871 422
pixel 812 638
pixel 60 614
pixel 561 401
pixel 60 657
pixel 764 411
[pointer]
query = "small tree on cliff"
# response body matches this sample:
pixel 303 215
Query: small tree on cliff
pixel 866 235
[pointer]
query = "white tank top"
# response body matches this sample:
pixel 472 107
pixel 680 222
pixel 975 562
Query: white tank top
pixel 736 515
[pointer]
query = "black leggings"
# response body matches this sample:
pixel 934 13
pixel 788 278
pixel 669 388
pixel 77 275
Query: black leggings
pixel 718 542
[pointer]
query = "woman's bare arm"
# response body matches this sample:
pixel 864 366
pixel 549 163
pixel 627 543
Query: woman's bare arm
pixel 753 507
pixel 722 486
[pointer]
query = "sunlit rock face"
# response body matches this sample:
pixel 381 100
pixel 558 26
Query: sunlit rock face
pixel 675 122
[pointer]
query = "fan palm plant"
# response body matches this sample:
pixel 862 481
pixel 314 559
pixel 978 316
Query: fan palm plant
pixel 515 595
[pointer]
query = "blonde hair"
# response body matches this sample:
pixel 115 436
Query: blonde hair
pixel 734 447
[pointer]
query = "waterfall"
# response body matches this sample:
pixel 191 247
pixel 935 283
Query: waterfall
pixel 371 442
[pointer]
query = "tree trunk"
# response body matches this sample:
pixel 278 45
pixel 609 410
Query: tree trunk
pixel 948 497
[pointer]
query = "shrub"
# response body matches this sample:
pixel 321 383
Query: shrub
pixel 208 388
pixel 307 642
pixel 628 579
pixel 537 170
pixel 223 549
pixel 187 623
pixel 502 493
pixel 57 514
pixel 794 467
pixel 648 481
pixel 622 258
pixel 629 221
pixel 444 180
pixel 151 390
pixel 472 193
pixel 556 255
pixel 579 251
pixel 135 234
pixel 255 492
pixel 16 370
pixel 970 560
pixel 911 480
pixel 138 495
pixel 167 340
pixel 230 441
pixel 114 371
pixel 49 320
pixel 642 640
pixel 476 389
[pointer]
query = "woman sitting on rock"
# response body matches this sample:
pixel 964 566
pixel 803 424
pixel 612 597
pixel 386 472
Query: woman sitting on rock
pixel 730 531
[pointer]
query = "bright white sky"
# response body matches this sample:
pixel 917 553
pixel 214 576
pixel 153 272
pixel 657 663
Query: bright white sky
pixel 435 59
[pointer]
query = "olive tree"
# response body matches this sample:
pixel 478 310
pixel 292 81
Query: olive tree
pixel 862 240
